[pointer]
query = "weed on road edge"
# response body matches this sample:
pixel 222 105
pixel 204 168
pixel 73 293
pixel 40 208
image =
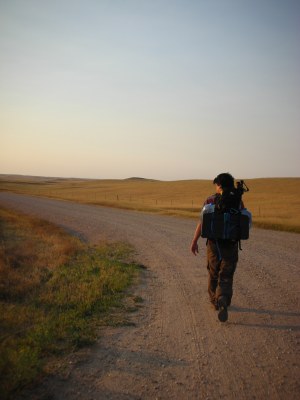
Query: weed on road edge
pixel 55 293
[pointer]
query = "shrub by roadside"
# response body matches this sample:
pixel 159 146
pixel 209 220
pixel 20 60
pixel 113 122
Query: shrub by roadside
pixel 54 293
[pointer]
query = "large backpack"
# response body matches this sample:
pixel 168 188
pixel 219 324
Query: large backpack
pixel 225 219
pixel 229 201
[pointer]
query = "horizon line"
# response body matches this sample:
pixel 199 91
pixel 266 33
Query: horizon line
pixel 134 178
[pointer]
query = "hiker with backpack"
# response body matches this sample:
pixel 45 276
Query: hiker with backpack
pixel 224 221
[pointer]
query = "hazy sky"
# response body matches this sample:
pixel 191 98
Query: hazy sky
pixel 158 89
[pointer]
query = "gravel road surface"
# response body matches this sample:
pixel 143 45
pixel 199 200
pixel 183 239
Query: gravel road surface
pixel 177 348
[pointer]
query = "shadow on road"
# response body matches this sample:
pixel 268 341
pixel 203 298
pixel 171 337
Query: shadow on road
pixel 263 324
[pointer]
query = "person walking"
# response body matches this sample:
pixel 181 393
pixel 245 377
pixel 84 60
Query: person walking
pixel 222 255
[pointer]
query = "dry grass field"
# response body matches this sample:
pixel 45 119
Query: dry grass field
pixel 274 202
pixel 54 294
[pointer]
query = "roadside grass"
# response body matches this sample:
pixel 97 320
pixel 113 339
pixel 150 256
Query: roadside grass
pixel 55 292
pixel 274 202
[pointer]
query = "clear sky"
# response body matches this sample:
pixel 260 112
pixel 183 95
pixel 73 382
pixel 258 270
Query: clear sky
pixel 164 89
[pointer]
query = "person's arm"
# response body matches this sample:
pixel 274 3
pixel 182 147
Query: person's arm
pixel 194 244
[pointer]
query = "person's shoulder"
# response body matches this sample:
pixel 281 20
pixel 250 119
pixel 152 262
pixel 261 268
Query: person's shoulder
pixel 210 200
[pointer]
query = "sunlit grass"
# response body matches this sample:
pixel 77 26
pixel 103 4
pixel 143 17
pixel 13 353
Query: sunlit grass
pixel 274 202
pixel 55 293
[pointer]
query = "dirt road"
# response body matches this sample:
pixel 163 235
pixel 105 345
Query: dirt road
pixel 178 349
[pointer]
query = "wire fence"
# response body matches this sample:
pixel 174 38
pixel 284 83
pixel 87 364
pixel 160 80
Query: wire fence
pixel 93 196
pixel 166 202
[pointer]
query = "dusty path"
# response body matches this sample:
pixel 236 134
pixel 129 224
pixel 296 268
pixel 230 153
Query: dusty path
pixel 178 349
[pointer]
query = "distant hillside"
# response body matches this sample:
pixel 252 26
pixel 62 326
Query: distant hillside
pixel 137 178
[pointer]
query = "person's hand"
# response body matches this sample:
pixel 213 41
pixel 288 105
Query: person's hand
pixel 194 247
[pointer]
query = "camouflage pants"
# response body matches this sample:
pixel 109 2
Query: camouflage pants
pixel 222 258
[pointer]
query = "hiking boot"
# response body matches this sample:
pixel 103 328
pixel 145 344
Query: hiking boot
pixel 223 313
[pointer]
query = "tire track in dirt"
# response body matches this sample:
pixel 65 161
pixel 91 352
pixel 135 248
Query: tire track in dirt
pixel 177 348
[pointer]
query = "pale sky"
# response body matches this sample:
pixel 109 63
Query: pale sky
pixel 158 89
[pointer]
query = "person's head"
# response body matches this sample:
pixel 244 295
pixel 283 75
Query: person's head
pixel 224 181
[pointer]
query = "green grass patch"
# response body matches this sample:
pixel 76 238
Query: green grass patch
pixel 48 310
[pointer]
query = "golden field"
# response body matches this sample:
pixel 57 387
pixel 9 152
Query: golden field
pixel 274 202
